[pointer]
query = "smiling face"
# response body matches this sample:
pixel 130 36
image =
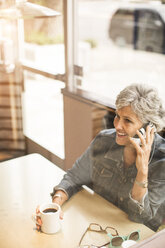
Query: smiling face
pixel 126 123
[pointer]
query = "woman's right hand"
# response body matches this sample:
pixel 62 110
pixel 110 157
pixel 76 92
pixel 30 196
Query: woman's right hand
pixel 61 213
pixel 39 221
pixel 60 197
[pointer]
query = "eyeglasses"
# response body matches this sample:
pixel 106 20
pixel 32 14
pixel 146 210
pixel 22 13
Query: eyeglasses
pixel 97 228
pixel 118 240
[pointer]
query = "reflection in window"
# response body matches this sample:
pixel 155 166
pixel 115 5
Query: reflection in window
pixel 150 32
pixel 136 55
pixel 44 40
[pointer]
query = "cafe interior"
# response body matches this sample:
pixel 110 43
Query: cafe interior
pixel 62 64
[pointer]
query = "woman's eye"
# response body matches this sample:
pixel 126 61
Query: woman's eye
pixel 127 120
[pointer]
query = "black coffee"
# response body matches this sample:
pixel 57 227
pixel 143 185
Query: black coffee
pixel 49 210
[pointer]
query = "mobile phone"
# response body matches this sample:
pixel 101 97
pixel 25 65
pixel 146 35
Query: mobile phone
pixel 143 132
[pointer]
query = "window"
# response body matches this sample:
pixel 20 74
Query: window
pixel 44 72
pixel 108 64
pixel 43 121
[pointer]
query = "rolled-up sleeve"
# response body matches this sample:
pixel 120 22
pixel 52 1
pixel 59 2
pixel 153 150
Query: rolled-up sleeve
pixel 138 204
pixel 147 210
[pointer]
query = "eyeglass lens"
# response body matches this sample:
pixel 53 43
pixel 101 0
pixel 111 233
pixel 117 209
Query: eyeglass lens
pixel 117 241
pixel 111 230
pixel 134 236
pixel 95 227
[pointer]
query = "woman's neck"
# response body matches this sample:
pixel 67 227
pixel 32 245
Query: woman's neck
pixel 129 156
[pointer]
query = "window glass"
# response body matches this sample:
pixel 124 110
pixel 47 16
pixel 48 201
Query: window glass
pixel 119 44
pixel 150 31
pixel 42 98
pixel 44 40
pixel 43 112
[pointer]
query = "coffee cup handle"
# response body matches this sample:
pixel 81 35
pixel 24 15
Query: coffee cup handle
pixel 34 218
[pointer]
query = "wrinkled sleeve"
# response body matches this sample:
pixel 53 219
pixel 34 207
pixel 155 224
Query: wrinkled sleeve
pixel 78 175
pixel 139 203
pixel 147 209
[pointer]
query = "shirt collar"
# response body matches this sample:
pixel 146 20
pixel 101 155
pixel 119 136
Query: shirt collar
pixel 115 152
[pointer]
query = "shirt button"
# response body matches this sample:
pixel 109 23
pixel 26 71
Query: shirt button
pixel 121 199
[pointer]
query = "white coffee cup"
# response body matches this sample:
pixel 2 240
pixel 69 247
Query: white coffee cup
pixel 50 217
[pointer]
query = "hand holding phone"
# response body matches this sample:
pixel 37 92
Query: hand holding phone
pixel 143 132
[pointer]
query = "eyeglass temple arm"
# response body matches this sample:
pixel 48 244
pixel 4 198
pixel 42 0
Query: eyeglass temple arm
pixel 104 244
pixel 83 236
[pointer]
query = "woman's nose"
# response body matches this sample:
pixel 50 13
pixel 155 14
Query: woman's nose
pixel 118 125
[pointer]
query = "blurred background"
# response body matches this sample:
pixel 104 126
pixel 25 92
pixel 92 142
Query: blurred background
pixel 92 47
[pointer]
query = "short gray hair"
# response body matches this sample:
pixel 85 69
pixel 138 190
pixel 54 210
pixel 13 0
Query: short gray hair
pixel 145 102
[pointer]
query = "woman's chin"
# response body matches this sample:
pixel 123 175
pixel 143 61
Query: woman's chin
pixel 122 141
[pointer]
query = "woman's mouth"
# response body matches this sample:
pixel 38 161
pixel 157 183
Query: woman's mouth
pixel 121 138
pixel 121 135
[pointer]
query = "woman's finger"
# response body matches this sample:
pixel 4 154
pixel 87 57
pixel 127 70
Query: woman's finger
pixel 39 222
pixel 38 209
pixel 61 215
pixel 38 219
pixel 142 137
pixel 135 144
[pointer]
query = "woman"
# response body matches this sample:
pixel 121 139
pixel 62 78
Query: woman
pixel 126 173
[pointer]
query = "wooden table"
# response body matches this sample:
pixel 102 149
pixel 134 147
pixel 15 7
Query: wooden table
pixel 26 182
